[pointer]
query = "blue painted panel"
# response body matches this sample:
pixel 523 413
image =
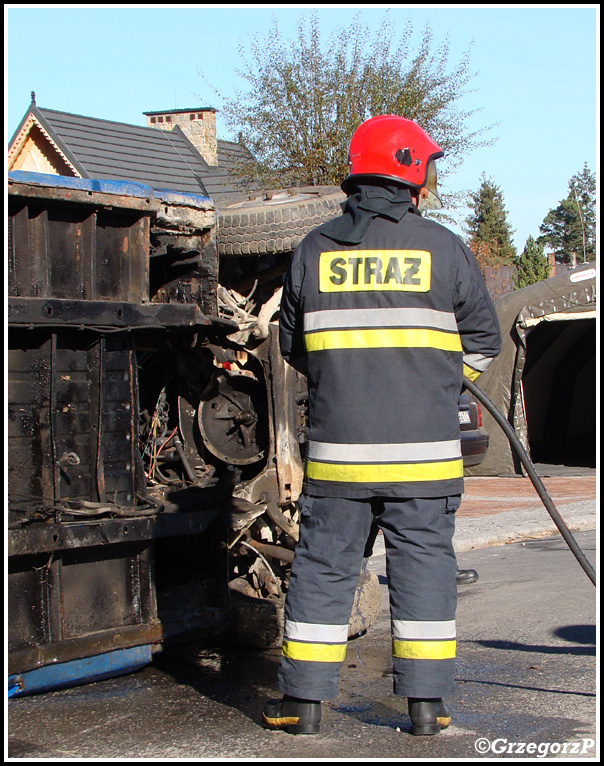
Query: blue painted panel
pixel 81 671
pixel 125 188
pixel 122 188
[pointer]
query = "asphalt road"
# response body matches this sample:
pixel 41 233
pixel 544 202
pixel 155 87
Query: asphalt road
pixel 526 684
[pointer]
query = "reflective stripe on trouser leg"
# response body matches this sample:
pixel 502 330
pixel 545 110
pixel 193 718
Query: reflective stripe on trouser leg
pixel 421 568
pixel 322 585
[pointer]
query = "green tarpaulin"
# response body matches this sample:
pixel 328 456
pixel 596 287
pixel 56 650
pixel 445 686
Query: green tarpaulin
pixel 544 378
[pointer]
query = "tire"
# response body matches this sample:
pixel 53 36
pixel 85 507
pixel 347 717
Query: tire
pixel 367 607
pixel 258 622
pixel 277 223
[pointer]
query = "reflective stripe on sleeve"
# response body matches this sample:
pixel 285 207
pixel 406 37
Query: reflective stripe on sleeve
pixel 470 374
pixel 475 364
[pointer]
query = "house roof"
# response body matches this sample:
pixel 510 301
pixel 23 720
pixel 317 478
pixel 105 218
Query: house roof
pixel 105 149
pixel 183 111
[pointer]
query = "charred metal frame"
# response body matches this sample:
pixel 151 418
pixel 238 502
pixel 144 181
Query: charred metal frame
pixel 95 270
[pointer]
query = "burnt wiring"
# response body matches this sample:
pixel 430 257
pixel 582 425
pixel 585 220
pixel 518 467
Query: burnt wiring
pixel 157 440
pixel 84 509
pixel 88 508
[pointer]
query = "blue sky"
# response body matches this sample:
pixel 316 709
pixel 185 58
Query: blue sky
pixel 536 75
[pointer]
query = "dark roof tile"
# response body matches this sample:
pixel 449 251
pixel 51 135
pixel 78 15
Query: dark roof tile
pixel 162 159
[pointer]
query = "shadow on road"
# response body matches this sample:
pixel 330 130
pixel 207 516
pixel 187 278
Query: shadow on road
pixel 575 634
pixel 235 676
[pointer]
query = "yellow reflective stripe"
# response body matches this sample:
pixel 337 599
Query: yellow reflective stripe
pixel 285 721
pixel 383 472
pixel 314 652
pixel 470 373
pixel 390 338
pixel 423 650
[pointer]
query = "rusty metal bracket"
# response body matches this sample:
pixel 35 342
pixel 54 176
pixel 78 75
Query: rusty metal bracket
pixel 57 312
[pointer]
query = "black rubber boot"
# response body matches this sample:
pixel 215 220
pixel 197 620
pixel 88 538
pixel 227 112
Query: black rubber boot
pixel 295 716
pixel 428 716
pixel 466 576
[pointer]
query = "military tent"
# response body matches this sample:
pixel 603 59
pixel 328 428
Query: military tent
pixel 544 380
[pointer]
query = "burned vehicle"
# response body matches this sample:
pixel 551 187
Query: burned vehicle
pixel 153 430
pixel 155 433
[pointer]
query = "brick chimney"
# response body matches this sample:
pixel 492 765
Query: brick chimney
pixel 199 126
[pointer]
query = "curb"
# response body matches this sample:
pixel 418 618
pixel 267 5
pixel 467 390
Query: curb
pixel 513 526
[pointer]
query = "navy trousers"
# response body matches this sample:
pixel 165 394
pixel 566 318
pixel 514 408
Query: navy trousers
pixel 421 569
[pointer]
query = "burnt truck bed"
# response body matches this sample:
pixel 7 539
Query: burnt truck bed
pixel 154 432
pixel 98 271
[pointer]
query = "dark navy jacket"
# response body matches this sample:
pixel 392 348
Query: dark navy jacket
pixel 384 330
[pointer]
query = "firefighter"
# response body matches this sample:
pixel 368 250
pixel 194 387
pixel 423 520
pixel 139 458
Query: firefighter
pixel 383 311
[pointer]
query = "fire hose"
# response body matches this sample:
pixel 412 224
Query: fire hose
pixel 517 445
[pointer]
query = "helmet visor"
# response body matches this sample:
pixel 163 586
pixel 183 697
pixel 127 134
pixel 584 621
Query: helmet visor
pixel 432 200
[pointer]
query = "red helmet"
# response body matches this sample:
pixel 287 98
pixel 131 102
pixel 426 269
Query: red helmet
pixel 394 148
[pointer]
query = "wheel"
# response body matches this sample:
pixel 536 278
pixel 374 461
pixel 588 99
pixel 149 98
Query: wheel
pixel 276 223
pixel 233 422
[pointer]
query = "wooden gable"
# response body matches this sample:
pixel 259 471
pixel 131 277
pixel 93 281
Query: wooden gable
pixel 34 150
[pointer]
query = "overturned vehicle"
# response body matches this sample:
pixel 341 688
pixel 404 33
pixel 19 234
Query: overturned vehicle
pixel 154 430
pixel 155 434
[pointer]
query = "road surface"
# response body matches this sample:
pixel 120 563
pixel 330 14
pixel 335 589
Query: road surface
pixel 526 678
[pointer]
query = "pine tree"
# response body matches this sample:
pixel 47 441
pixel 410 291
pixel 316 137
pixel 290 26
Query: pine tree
pixel 531 265
pixel 570 229
pixel 489 233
